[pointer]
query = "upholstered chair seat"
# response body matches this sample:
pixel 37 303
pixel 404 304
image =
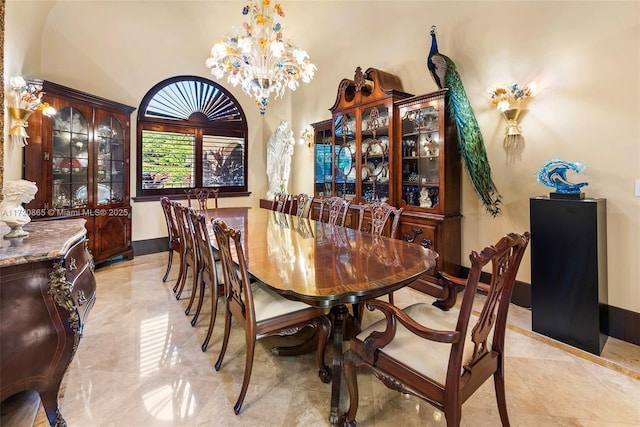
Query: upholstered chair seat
pixel 409 351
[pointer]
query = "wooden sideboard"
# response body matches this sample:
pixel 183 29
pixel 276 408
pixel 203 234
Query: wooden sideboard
pixel 47 288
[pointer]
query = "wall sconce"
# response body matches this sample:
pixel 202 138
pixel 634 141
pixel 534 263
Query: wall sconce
pixel 306 138
pixel 511 101
pixel 23 99
pixel 19 123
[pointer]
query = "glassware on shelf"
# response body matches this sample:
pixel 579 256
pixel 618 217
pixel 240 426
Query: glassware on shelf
pixel 60 196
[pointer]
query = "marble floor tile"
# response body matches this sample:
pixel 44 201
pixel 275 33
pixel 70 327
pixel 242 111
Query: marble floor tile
pixel 140 364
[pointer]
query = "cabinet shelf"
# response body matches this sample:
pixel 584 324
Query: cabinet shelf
pixel 420 132
pixel 421 184
pixel 381 131
pixel 431 199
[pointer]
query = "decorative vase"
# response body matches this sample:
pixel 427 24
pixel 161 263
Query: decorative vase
pixel 18 131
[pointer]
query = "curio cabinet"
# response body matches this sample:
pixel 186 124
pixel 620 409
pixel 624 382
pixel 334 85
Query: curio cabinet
pixel 427 184
pixel 79 159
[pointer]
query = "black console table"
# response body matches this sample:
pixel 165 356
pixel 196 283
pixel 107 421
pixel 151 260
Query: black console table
pixel 569 270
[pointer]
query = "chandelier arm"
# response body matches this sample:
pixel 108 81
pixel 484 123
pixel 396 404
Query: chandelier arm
pixel 260 60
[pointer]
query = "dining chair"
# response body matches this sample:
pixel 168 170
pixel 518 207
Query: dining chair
pixel 259 309
pixel 189 253
pixel 279 203
pixel 302 205
pixel 203 195
pixel 173 233
pixel 379 214
pixel 337 210
pixel 434 354
pixel 210 272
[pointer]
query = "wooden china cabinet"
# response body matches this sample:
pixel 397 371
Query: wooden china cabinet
pixel 427 174
pixel 363 128
pixel 79 159
pixel 388 145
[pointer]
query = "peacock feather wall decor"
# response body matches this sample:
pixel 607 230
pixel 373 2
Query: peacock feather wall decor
pixel 470 139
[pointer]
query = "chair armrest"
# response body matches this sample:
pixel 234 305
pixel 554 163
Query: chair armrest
pixel 463 282
pixel 453 279
pixel 393 314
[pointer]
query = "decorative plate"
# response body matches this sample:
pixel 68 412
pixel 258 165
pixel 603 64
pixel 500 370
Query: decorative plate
pixel 104 193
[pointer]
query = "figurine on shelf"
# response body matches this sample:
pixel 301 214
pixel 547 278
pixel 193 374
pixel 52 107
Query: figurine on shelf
pixel 11 211
pixel 425 201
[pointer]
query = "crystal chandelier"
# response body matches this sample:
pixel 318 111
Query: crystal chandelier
pixel 260 60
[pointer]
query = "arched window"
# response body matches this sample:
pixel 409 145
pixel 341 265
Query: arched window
pixel 191 133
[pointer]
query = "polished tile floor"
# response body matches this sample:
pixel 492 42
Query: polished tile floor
pixel 140 364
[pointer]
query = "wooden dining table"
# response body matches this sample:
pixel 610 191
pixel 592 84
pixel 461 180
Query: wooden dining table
pixel 324 265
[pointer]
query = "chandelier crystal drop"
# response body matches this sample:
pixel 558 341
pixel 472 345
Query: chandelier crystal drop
pixel 260 60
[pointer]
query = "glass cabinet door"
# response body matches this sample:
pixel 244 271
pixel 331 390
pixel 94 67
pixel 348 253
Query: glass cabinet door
pixel 375 154
pixel 323 148
pixel 110 161
pixel 421 157
pixel 345 164
pixel 70 159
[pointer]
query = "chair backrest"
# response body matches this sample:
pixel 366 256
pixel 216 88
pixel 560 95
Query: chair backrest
pixel 204 194
pixel 337 210
pixel 379 213
pixel 187 234
pixel 237 285
pixel 280 202
pixel 302 205
pixel 203 243
pixel 169 217
pixel 505 257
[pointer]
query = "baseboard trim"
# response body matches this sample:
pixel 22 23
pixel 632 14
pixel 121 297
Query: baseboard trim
pixel 620 323
pixel 623 325
pixel 521 294
pixel 150 246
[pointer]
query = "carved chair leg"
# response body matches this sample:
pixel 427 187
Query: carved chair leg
pixel 498 380
pixel 453 415
pixel 350 374
pixel 212 319
pixel 182 283
pixel 202 287
pixel 225 338
pixel 248 366
pixel 169 264
pixel 180 273
pixel 194 288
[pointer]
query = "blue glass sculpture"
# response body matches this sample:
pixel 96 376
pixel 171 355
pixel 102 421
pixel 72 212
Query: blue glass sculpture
pixel 554 174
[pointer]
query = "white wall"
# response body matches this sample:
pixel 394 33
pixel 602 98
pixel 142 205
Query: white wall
pixel 584 56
